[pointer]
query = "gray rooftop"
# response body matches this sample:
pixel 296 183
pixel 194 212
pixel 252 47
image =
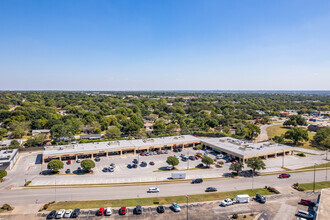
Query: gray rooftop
pixel 7 155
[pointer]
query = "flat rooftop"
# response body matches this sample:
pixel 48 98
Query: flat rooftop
pixel 243 147
pixel 7 155
pixel 323 211
pixel 115 145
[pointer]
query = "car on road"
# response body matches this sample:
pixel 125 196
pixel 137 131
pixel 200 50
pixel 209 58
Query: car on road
pixel 260 198
pixel 152 163
pixel 176 207
pixel 78 161
pixel 60 214
pixel 153 190
pixel 68 162
pixel 68 213
pixel 307 202
pixel 105 169
pixel 160 209
pixel 284 175
pixel 68 171
pixel 108 211
pixel 227 202
pixel 100 212
pixel 211 189
pixel 129 166
pixel 75 213
pixel 138 210
pixel 123 210
pixel 113 165
pixel 51 215
pixel 304 214
pixel 197 181
pixel 135 161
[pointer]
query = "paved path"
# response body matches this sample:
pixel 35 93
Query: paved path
pixel 263 136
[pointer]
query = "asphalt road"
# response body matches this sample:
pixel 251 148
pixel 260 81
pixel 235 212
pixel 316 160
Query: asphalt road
pixel 30 196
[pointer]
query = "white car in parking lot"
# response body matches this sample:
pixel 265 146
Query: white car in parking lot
pixel 108 211
pixel 68 213
pixel 153 190
pixel 60 214
pixel 228 202
pixel 176 156
pixel 176 207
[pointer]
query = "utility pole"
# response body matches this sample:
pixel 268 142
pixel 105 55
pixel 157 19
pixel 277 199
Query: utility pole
pixel 314 180
pixel 188 162
pixel 187 196
pixel 283 159
pixel 326 167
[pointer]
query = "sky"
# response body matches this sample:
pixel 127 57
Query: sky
pixel 165 45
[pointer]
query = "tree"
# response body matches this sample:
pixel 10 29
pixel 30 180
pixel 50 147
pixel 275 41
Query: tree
pixel 172 161
pixel 207 161
pixel 3 132
pixel 295 120
pixel 55 165
pixel 256 163
pixel 61 132
pixel 36 141
pixel 296 134
pixel 87 164
pixel 279 139
pixel 321 135
pixel 237 167
pixel 113 132
pixel 252 131
pixel 14 144
pixel 3 173
pixel 326 142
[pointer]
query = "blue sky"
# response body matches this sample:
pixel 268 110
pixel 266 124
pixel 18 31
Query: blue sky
pixel 165 44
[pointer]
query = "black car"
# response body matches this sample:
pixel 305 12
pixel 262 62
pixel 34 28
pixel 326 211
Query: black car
pixel 134 166
pixel 97 159
pixel 192 158
pixel 260 198
pixel 68 171
pixel 175 150
pixel 129 166
pixel 135 161
pixel 160 209
pixel 144 164
pixel 197 181
pixel 138 210
pixel 211 189
pixel 75 213
pixel 200 165
pixel 105 169
pixel 51 215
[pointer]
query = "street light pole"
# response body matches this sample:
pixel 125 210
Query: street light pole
pixel 314 180
pixel 187 196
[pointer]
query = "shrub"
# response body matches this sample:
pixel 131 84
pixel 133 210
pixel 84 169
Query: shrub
pixel 28 183
pixel 272 189
pixel 7 207
pixel 297 187
pixel 235 216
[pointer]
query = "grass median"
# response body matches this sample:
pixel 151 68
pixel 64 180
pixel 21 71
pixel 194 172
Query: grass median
pixel 318 185
pixel 155 200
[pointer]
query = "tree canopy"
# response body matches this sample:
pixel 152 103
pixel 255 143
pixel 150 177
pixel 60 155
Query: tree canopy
pixel 173 161
pixel 55 165
pixel 87 164
pixel 297 134
pixel 256 163
pixel 207 161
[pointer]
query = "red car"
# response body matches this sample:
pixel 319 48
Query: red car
pixel 142 154
pixel 307 202
pixel 100 212
pixel 284 175
pixel 122 210
pixel 152 163
pixel 158 152
pixel 69 162
pixel 196 157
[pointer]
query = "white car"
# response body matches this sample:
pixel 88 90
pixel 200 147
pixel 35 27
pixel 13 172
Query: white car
pixel 68 213
pixel 176 207
pixel 153 190
pixel 60 214
pixel 78 161
pixel 219 156
pixel 176 156
pixel 108 211
pixel 227 202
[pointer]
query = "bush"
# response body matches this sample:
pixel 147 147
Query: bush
pixel 272 189
pixel 3 173
pixel 297 187
pixel 235 216
pixel 7 207
pixel 28 183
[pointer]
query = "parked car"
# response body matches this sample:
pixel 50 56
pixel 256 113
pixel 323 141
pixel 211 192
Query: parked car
pixel 211 189
pixel 152 163
pixel 97 159
pixel 68 162
pixel 227 202
pixel 111 169
pixel 160 209
pixel 147 154
pixel 108 211
pixel 75 213
pixel 260 198
pixel 60 214
pixel 304 214
pixel 168 168
pixel 79 170
pixel 159 152
pixel 184 159
pixel 51 215
pixel 135 161
pixel 176 156
pixel 123 210
pixel 175 150
pixel 134 166
pixel 78 161
pixel 219 156
pixel 142 154
pixel 129 166
pixel 100 212
pixel 105 169
pixel 196 157
pixel 153 190
pixel 179 149
pixel 197 181
pixel 307 202
pixel 183 155
pixel 68 171
pixel 192 158
pixel 165 152
pixel 284 175
pixel 68 213
pixel 144 164
pixel 113 165
pixel 138 210
pixel 176 207
pixel 200 165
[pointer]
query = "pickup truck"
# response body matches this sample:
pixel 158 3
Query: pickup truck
pixel 228 202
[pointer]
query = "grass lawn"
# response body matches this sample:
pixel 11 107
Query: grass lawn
pixel 154 201
pixel 318 185
pixel 317 166
pixel 278 130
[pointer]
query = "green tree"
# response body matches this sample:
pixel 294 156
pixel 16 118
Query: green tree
pixel 207 161
pixel 237 167
pixel 252 131
pixel 112 132
pixel 326 142
pixel 61 132
pixel 14 144
pixel 55 165
pixel 3 132
pixel 36 141
pixel 87 164
pixel 172 161
pixel 256 163
pixel 321 135
pixel 295 120
pixel 279 139
pixel 3 173
pixel 296 134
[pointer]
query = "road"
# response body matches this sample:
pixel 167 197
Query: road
pixel 29 196
pixel 263 136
